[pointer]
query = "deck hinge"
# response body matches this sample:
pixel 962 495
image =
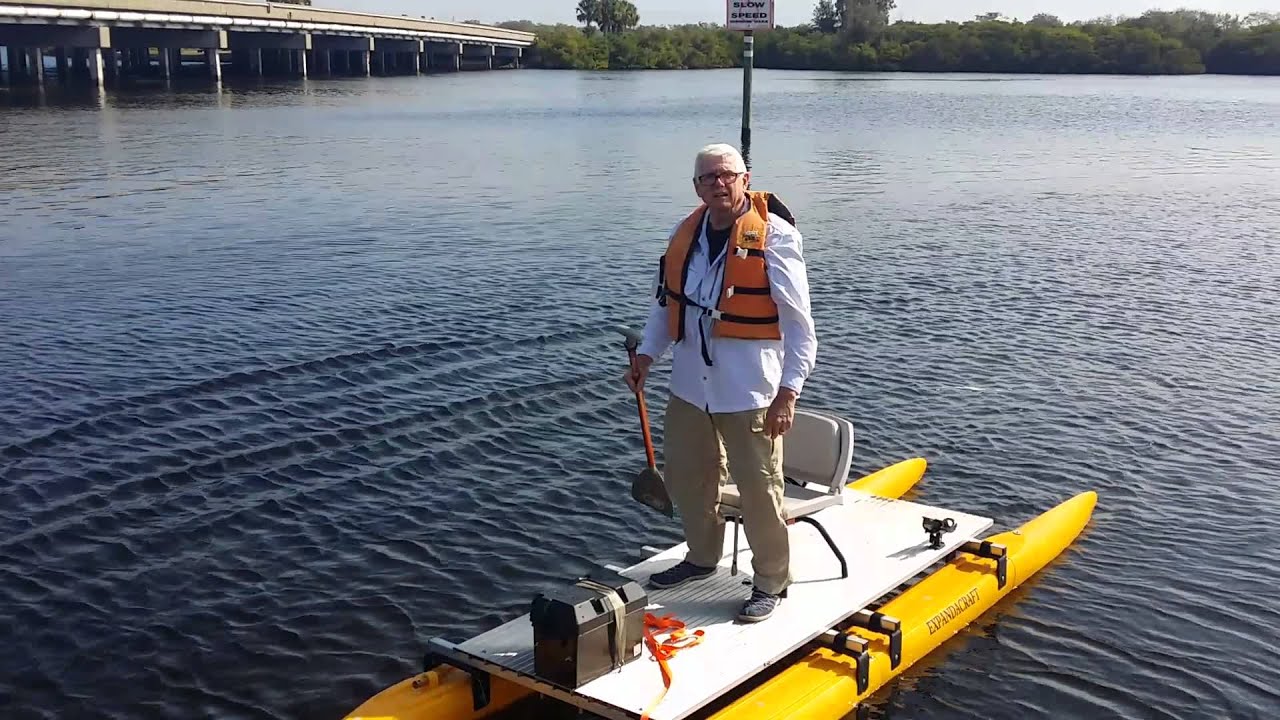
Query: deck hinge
pixel 885 625
pixel 447 653
pixel 855 647
pixel 991 551
pixel 481 692
pixel 431 661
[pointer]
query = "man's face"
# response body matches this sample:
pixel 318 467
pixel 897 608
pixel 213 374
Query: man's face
pixel 719 185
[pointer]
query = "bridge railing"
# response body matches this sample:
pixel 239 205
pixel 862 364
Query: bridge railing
pixel 284 12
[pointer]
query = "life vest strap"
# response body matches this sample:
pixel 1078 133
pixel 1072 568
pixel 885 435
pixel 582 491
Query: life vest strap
pixel 740 290
pixel 667 292
pixel 660 295
pixel 685 301
pixel 744 319
pixel 719 315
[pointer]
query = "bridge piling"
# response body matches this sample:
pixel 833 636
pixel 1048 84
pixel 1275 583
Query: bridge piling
pixel 214 62
pixel 286 53
pixel 96 70
pixel 446 55
pixel 110 65
pixel 473 55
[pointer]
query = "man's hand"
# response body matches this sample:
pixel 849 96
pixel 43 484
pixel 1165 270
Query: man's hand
pixel 782 412
pixel 635 377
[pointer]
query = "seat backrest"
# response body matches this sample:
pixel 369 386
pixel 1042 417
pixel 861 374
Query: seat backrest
pixel 818 449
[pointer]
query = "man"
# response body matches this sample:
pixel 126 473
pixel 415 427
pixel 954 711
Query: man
pixel 733 306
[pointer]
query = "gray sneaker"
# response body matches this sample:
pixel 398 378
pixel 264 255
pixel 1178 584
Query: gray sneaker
pixel 682 573
pixel 760 605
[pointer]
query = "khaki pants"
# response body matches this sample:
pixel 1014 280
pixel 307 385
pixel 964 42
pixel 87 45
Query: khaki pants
pixel 699 449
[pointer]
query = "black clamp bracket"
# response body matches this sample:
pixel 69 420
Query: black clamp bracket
pixel 854 646
pixel 481 690
pixel 431 661
pixel 885 625
pixel 936 528
pixel 991 551
pixel 858 647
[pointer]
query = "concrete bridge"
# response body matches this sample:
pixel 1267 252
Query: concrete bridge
pixel 104 41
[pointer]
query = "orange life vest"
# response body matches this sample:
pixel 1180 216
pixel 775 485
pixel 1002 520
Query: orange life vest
pixel 744 308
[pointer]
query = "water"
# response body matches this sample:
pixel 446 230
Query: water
pixel 298 376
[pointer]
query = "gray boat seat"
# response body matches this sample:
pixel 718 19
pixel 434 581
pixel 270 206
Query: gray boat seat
pixel 816 455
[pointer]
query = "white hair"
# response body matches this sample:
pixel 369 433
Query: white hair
pixel 720 151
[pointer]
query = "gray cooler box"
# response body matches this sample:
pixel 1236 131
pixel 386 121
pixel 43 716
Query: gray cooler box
pixel 576 633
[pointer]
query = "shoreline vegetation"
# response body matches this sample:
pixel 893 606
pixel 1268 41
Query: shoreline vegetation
pixel 856 35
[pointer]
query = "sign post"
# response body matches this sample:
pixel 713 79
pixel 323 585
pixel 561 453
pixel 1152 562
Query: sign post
pixel 747 16
pixel 748 62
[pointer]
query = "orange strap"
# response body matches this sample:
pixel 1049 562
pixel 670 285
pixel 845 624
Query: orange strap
pixel 677 639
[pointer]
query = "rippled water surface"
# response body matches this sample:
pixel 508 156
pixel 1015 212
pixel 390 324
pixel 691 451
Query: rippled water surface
pixel 294 377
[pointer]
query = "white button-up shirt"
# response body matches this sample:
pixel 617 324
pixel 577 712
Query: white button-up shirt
pixel 745 374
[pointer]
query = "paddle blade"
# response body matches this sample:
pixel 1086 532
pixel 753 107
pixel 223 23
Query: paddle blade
pixel 649 489
pixel 631 335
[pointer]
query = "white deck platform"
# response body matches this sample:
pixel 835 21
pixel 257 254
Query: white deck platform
pixel 882 540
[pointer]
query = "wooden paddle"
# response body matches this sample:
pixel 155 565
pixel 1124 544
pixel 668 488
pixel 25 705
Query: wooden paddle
pixel 647 487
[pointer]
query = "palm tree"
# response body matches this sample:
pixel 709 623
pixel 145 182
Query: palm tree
pixel 588 12
pixel 863 20
pixel 611 16
pixel 618 15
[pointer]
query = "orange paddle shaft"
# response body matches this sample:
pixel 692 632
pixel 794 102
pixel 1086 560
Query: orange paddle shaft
pixel 644 413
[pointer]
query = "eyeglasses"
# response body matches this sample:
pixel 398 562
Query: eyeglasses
pixel 709 179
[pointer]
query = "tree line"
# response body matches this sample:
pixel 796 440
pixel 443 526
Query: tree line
pixel 857 35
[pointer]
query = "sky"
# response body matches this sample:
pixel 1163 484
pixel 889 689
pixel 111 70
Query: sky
pixel 790 12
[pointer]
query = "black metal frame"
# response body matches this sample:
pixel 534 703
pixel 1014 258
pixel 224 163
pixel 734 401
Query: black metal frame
pixel 482 670
pixel 857 647
pixel 854 646
pixel 991 551
pixel 844 566
pixel 835 549
pixel 883 624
